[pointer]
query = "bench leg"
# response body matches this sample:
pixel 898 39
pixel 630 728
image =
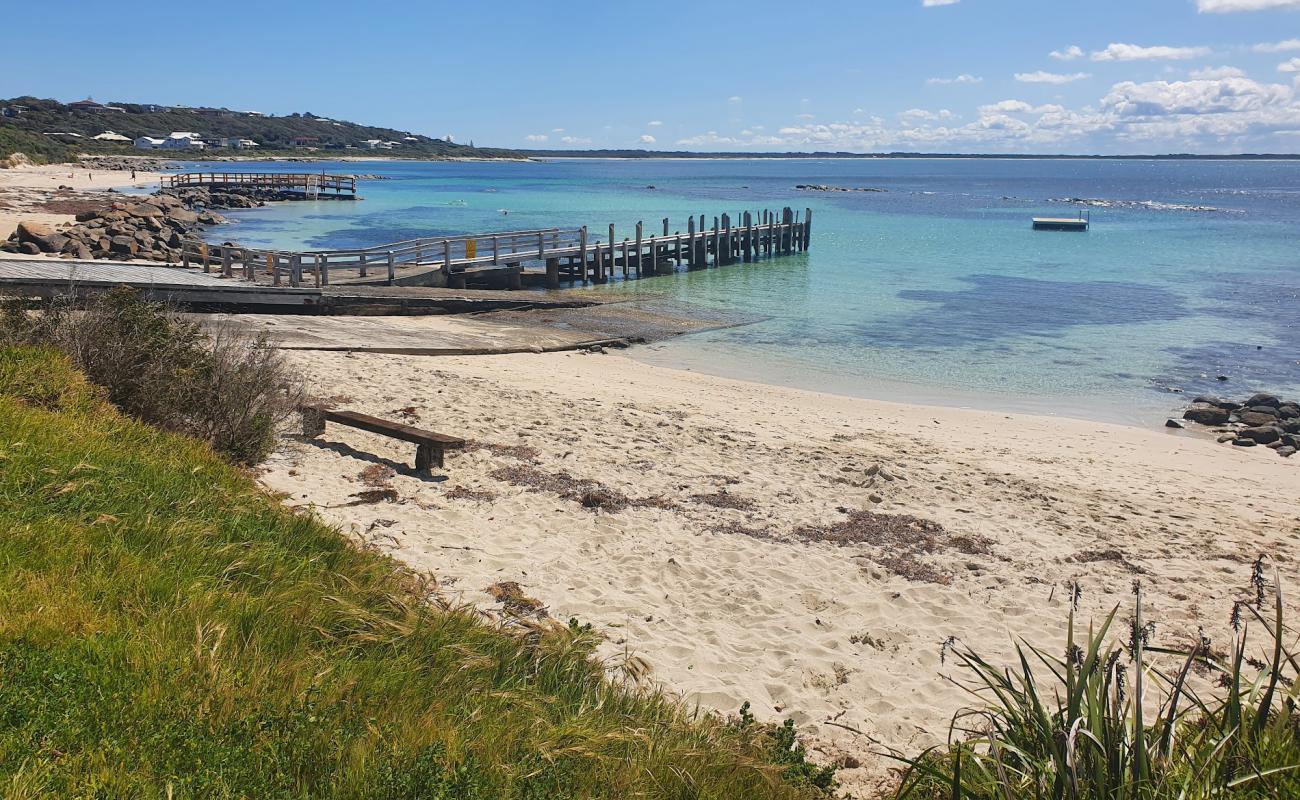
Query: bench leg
pixel 313 422
pixel 428 456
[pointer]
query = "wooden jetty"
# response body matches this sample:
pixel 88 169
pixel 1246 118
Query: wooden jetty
pixel 556 255
pixel 1079 223
pixel 311 184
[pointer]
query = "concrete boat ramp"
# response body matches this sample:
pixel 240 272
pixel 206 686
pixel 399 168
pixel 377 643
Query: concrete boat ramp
pixel 387 319
pixel 196 290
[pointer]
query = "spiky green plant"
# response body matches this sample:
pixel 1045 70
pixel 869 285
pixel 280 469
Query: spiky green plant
pixel 1072 728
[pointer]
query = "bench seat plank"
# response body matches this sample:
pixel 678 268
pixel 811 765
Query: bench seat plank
pixel 427 454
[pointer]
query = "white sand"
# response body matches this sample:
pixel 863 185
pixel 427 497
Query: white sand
pixel 727 616
pixel 22 189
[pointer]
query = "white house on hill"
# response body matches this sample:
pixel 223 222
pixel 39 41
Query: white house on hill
pixel 148 143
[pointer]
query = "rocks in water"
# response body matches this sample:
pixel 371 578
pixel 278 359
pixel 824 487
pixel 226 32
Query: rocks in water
pixel 1268 400
pixel 1261 419
pixel 1173 423
pixel 1207 414
pixel 821 187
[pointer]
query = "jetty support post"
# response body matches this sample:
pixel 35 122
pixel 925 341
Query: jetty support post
pixel 446 260
pixel 690 243
pixel 717 246
pixel 295 271
pixel 225 262
pixel 317 269
pixel 807 228
pixel 552 273
pixel 639 273
pixel 392 269
pixel 582 253
pixel 747 239
pixel 273 261
pixel 625 266
pixel 364 263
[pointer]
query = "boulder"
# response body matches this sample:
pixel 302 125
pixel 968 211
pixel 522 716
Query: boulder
pixel 30 248
pixel 45 237
pixel 1288 411
pixel 1244 442
pixel 1206 414
pixel 1260 435
pixel 82 252
pixel 1254 419
pixel 87 216
pixel 182 215
pixel 1286 452
pixel 1262 399
pixel 1269 410
pixel 144 210
pixel 1169 423
pixel 124 245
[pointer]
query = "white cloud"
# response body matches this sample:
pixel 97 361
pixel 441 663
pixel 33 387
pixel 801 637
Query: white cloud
pixel 646 139
pixel 1224 114
pixel 963 78
pixel 536 137
pixel 1133 52
pixel 1215 73
pixel 1289 66
pixel 654 123
pixel 805 116
pixel 557 130
pixel 1068 54
pixel 1050 77
pixel 1277 47
pixel 1229 6
pixel 575 140
pixel 934 3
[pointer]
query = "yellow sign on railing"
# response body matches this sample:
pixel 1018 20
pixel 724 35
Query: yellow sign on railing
pixel 471 248
pixel 270 263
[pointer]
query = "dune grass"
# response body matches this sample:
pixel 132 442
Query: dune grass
pixel 168 630
pixel 1075 727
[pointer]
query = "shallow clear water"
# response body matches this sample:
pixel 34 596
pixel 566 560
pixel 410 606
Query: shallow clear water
pixel 935 290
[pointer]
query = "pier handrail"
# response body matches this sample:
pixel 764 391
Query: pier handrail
pixel 278 180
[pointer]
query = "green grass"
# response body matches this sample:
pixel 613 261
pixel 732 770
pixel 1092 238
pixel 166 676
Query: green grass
pixel 1069 727
pixel 168 630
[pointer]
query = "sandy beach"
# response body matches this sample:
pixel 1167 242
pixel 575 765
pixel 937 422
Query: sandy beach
pixel 33 193
pixel 806 553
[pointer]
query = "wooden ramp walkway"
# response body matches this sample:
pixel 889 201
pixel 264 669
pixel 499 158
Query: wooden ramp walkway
pixel 310 184
pixel 565 254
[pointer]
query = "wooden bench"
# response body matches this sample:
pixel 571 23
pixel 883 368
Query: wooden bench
pixel 430 445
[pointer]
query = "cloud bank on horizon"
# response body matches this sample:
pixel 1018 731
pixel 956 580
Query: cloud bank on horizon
pixel 1198 101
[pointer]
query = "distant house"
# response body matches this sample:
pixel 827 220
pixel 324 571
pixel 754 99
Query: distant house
pixel 12 111
pixel 304 141
pixel 235 142
pixel 109 136
pixel 183 140
pixel 98 108
pixel 148 143
pixel 63 133
pixel 377 144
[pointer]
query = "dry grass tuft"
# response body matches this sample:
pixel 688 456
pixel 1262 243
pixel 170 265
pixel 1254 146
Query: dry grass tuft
pixel 902 539
pixel 376 475
pixel 512 598
pixel 520 452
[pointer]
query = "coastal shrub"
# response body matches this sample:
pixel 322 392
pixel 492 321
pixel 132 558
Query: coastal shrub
pixel 1075 725
pixel 169 630
pixel 224 387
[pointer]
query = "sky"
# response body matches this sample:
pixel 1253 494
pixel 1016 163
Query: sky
pixel 986 76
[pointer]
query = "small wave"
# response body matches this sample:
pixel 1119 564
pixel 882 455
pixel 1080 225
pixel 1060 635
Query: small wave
pixel 1150 205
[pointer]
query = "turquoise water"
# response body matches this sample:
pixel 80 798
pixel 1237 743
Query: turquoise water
pixel 935 290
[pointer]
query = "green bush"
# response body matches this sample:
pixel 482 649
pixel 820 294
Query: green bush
pixel 1074 726
pixel 224 388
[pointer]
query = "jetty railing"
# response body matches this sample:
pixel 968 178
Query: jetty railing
pixel 307 182
pixel 567 253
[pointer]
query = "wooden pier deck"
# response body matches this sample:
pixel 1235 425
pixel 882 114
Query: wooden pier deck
pixel 558 254
pixel 310 184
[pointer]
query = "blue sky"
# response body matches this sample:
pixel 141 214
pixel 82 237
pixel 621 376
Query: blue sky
pixel 1105 76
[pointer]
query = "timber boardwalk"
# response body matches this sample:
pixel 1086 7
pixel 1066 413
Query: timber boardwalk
pixel 504 258
pixel 312 185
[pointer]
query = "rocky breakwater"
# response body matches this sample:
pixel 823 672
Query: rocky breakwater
pixel 152 229
pixel 822 187
pixel 1260 420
